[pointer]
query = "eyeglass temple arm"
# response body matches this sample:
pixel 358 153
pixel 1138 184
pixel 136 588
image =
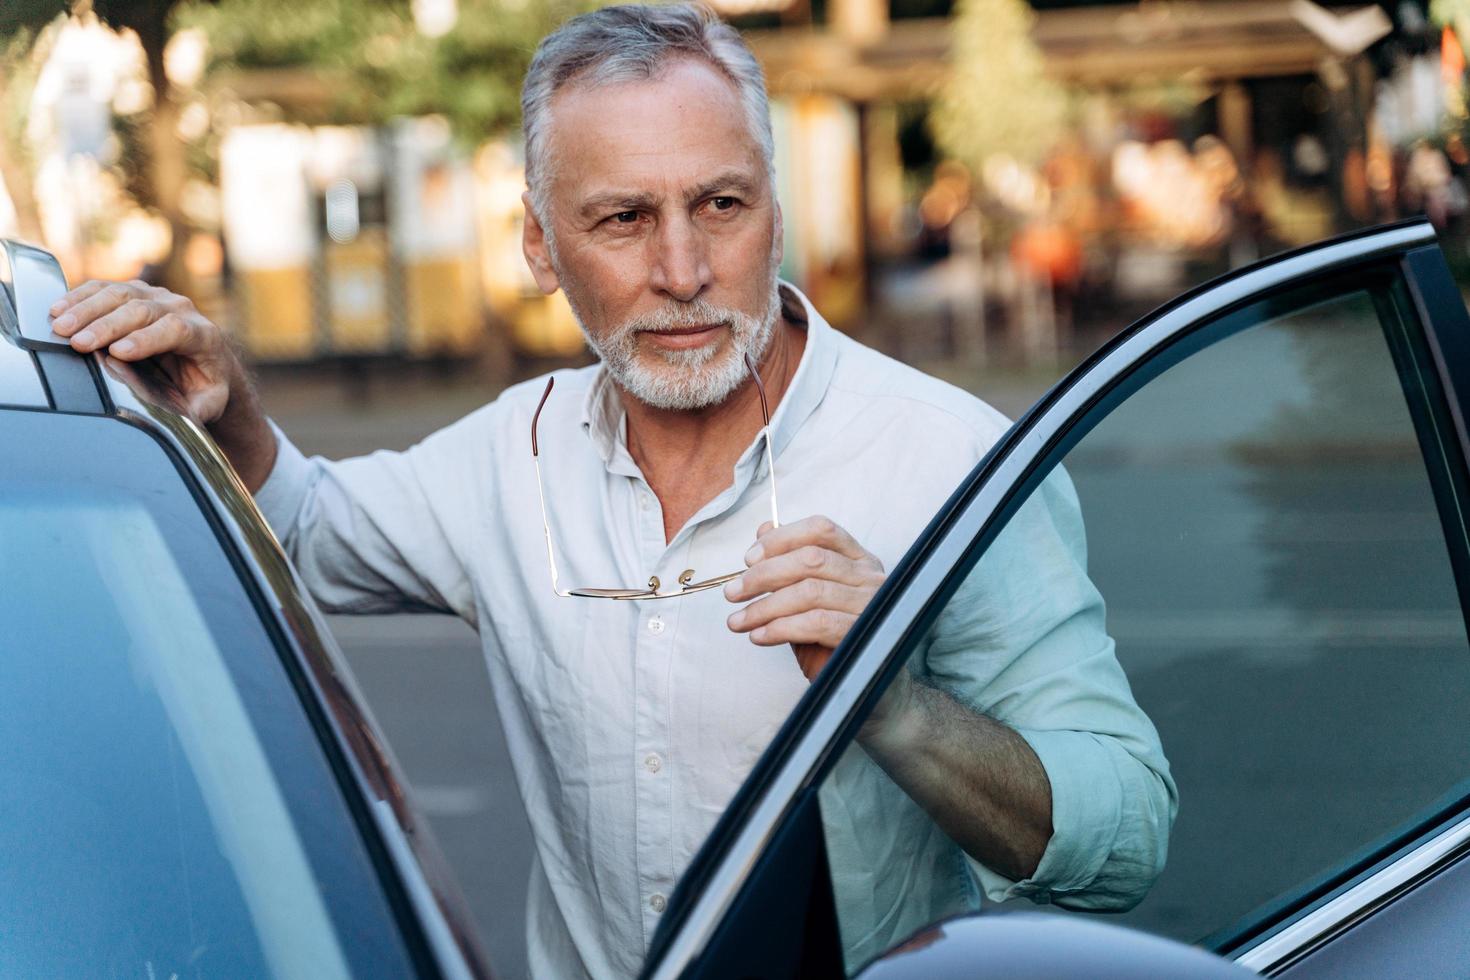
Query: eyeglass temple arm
pixel 766 417
pixel 541 492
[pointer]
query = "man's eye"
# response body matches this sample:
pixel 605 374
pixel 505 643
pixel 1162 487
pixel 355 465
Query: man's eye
pixel 625 217
pixel 722 203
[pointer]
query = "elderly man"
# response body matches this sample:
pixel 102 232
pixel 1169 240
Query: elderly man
pixel 651 204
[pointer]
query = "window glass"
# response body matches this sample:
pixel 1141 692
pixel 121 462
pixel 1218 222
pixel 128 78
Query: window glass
pixel 1227 629
pixel 173 815
pixel 19 382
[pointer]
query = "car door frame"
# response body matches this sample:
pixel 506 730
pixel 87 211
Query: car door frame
pixel 826 718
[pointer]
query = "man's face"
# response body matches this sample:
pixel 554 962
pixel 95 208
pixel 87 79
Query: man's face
pixel 666 232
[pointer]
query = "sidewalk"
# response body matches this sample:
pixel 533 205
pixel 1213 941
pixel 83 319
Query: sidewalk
pixel 393 405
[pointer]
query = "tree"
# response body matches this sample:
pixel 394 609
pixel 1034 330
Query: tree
pixel 22 50
pixel 167 160
pixel 998 98
pixel 371 63
pixel 367 59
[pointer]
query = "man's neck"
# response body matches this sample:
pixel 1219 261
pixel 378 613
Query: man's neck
pixel 687 457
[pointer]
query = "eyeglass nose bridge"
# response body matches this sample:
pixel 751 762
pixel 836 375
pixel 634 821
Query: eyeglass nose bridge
pixel 685 577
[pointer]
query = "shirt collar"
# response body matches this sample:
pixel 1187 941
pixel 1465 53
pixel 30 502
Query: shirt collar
pixel 602 409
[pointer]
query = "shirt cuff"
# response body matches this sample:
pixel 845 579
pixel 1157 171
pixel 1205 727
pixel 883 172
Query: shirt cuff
pixel 284 491
pixel 1086 810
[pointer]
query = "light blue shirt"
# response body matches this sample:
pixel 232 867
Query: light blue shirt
pixel 631 724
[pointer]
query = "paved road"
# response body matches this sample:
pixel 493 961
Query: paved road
pixel 425 681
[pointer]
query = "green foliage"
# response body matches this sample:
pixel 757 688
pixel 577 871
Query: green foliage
pixel 18 16
pixel 23 49
pixel 374 64
pixel 1449 11
pixel 998 98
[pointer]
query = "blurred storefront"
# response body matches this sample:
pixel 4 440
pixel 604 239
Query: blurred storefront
pixel 351 241
pixel 1197 136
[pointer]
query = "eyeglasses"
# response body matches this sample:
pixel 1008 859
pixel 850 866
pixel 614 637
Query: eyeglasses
pixel 655 590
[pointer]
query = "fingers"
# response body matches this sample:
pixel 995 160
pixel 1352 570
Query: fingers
pixel 131 320
pixel 75 296
pixel 814 580
pixel 168 333
pixel 820 627
pixel 90 301
pixel 134 314
pixel 794 603
pixel 809 562
pixel 818 530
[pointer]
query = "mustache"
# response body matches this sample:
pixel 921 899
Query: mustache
pixel 696 314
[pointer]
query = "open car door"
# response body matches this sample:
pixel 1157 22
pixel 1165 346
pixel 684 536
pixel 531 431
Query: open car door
pixel 1265 484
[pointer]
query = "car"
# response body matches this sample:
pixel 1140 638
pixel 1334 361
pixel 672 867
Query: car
pixel 193 786
pixel 1272 473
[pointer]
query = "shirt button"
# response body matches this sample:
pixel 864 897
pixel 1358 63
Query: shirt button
pixel 644 501
pixel 657 902
pixel 656 625
pixel 653 763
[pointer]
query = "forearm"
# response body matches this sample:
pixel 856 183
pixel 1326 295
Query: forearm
pixel 978 779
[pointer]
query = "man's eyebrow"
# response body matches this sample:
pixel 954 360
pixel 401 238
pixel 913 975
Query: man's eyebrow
pixel 732 181
pixel 615 201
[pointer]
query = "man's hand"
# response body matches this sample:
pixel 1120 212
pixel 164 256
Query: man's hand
pixel 133 320
pixel 978 779
pixel 814 580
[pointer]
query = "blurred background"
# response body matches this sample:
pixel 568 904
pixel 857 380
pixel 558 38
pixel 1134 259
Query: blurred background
pixel 990 182
pixel 984 188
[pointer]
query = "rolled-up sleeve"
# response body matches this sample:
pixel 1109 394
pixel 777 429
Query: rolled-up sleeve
pixel 370 534
pixel 1024 640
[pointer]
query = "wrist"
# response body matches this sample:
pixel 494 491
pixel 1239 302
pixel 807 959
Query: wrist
pixel 244 434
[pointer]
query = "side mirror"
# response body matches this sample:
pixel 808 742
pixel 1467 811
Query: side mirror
pixel 1039 944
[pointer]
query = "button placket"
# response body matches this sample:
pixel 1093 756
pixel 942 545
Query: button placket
pixel 653 666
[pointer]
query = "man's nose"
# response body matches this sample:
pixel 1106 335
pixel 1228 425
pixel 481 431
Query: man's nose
pixel 681 260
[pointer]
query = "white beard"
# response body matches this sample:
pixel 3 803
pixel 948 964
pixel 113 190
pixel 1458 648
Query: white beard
pixel 684 380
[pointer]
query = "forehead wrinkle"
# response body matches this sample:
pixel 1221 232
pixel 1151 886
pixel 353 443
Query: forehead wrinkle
pixel 644 137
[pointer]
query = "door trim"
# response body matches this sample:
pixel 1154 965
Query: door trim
pixel 1361 900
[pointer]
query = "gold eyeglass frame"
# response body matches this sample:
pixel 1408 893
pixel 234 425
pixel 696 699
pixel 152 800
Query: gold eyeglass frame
pixel 687 585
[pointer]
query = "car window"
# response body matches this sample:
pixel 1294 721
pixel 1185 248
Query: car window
pixel 19 382
pixel 1225 623
pixel 172 812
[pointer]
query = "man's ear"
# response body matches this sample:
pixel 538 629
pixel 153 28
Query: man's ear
pixel 538 255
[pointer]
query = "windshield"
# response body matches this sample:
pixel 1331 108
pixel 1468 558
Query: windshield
pixel 168 809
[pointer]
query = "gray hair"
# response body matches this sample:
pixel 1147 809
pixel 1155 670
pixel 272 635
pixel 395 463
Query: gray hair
pixel 632 42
